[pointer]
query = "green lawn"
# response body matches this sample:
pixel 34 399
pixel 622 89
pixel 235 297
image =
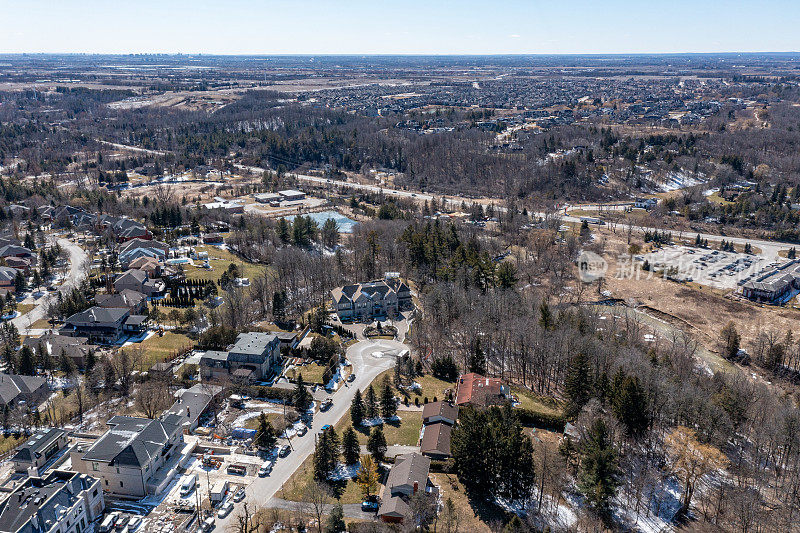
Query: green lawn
pixel 529 400
pixel 293 490
pixel 157 348
pixel 312 373
pixel 431 387
pixel 219 260
pixel 405 433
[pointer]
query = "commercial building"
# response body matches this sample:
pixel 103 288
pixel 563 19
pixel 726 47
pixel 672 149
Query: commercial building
pixel 773 285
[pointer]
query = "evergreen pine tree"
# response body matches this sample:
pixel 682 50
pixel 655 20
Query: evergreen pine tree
pixel 630 406
pixel 301 397
pixel 577 385
pixel 598 476
pixel 335 523
pixel 27 363
pixel 388 405
pixel 371 403
pixel 357 409
pixel 265 437
pixel 350 446
pixel 376 444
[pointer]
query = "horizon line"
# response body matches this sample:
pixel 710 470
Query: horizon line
pixel 399 54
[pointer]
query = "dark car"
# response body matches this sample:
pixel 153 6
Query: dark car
pixel 369 506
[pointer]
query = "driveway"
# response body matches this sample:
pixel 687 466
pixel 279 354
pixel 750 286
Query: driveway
pixel 77 256
pixel 369 359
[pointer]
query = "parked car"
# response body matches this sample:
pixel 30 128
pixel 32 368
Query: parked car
pixel 109 522
pixel 225 510
pixel 122 522
pixel 265 469
pixel 351 378
pixel 369 506
pixel 135 522
pixel 284 450
pixel 208 525
pixel 302 430
pixel 327 404
pixel 239 496
pixel 325 427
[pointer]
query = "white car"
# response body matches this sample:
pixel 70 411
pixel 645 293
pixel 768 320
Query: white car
pixel 225 510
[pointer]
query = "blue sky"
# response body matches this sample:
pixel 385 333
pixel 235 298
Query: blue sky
pixel 399 26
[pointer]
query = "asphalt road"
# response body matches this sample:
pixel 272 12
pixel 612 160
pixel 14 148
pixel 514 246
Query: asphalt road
pixel 367 366
pixel 77 256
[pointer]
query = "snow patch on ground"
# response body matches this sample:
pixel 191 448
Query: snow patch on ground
pixel 378 421
pixel 343 471
pixel 678 180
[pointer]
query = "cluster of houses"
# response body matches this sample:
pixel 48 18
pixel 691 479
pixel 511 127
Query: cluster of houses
pixel 135 457
pixel 15 259
pixel 409 475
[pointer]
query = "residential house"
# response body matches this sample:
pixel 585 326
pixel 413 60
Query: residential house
pixel 19 263
pixel 438 419
pixel 408 476
pixel 251 358
pixel 138 280
pixel 480 391
pixel 645 203
pixel 61 502
pixel 135 301
pixel 104 325
pixel 76 348
pixel 150 265
pixel 435 440
pixel 441 411
pixel 213 238
pixel 8 277
pixel 38 450
pixel 22 390
pixel 128 456
pixel 374 300
pixel 192 403
pixel 143 243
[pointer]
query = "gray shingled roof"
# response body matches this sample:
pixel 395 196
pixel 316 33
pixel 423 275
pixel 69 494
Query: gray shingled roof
pixel 12 385
pixel 131 441
pixel 97 315
pixel 35 445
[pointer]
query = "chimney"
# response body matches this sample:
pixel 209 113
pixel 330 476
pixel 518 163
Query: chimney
pixel 416 486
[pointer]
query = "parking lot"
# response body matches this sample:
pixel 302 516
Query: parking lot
pixel 714 268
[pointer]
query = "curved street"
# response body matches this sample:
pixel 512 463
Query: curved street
pixel 77 258
pixel 369 360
